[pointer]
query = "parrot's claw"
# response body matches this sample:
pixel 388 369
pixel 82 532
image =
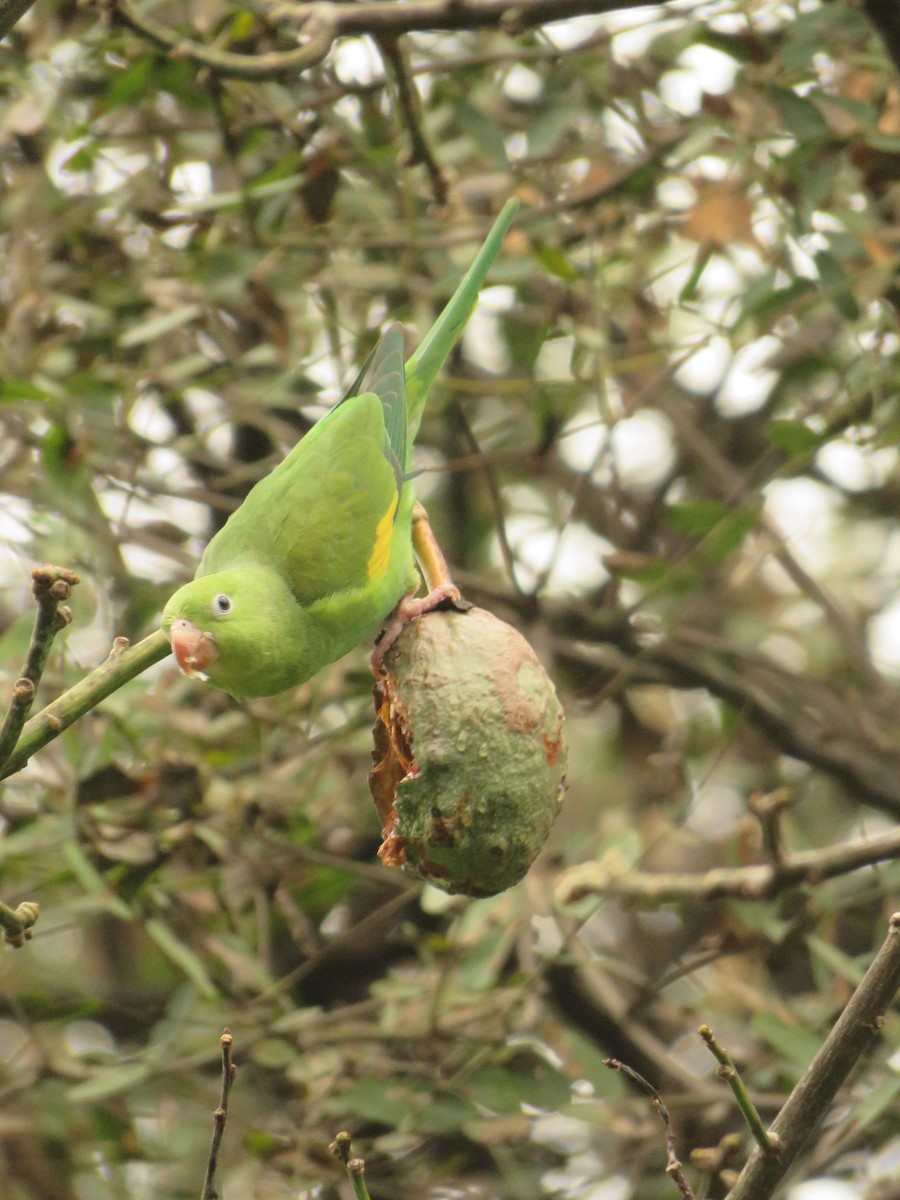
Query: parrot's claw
pixel 445 595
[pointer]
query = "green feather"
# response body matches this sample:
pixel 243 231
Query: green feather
pixel 320 552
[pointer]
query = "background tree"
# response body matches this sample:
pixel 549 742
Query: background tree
pixel 667 449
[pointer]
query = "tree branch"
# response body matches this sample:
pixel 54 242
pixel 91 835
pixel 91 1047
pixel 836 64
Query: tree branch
pixel 612 877
pixel 885 16
pixel 220 1116
pixel 317 22
pixel 807 1104
pixel 12 11
pixel 325 22
pixel 124 663
pixel 50 586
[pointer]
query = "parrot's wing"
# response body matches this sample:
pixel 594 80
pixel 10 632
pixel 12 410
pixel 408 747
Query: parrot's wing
pixel 324 518
pixel 383 373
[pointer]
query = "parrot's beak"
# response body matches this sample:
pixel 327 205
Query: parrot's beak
pixel 195 650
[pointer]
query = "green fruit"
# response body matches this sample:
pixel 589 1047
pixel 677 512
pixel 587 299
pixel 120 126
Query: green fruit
pixel 470 756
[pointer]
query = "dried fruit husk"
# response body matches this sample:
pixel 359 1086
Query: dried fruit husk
pixel 470 756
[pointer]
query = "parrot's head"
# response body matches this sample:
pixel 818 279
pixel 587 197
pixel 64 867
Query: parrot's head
pixel 237 629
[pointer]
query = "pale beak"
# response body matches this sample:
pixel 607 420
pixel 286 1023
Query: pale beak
pixel 195 650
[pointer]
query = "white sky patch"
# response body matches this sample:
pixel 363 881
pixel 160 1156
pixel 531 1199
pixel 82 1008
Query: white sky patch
pixel 554 361
pixel 619 133
pixel 857 468
pixel 573 559
pixel 522 85
pixel 706 367
pixel 191 181
pixel 583 440
pixel 643 448
pixel 884 639
pixel 482 334
pixel 356 61
pixel 715 69
pixel 805 512
pixel 748 382
pixel 826 1189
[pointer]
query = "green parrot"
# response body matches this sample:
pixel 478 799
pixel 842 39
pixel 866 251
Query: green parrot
pixel 320 552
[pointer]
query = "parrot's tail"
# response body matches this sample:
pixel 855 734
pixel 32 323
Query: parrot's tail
pixel 423 367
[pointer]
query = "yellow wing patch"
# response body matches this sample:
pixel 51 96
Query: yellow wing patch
pixel 384 532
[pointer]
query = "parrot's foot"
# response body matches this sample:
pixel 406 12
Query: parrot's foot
pixel 445 595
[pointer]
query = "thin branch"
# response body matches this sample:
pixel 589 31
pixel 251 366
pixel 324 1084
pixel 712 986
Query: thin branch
pixel 386 16
pixel 220 1116
pixel 318 24
pixel 16 923
pixel 325 22
pixel 614 878
pixel 124 663
pixel 50 586
pixel 885 16
pixel 858 1024
pixel 420 153
pixel 355 1167
pixel 674 1168
pixel 729 1072
pixel 12 11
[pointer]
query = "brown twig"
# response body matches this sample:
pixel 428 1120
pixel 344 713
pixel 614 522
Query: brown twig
pixel 317 22
pixel 674 1168
pixel 420 152
pixel 858 1024
pixel 12 11
pixel 615 878
pixel 229 1070
pixel 325 22
pixel 50 586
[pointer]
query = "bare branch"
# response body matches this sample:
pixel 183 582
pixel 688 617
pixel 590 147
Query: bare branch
pixel 12 11
pixel 807 1104
pixel 220 1116
pixel 50 586
pixel 123 664
pixel 614 878
pixel 674 1169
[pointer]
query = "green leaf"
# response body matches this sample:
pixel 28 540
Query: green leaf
pixel 836 282
pixel 110 1082
pixel 156 327
pixel 799 116
pixel 554 261
pixel 20 389
pixel 695 517
pixel 132 84
pixel 177 952
pixel 794 437
pixel 486 134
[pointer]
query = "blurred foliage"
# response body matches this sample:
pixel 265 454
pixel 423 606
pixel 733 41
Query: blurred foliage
pixel 667 446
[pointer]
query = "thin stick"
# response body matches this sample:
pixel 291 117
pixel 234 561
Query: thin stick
pixel 674 1168
pixel 612 878
pixel 124 663
pixel 420 152
pixel 355 1167
pixel 50 586
pixel 220 1116
pixel 858 1024
pixel 729 1072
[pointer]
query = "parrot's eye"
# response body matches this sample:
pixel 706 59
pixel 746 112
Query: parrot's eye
pixel 222 605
